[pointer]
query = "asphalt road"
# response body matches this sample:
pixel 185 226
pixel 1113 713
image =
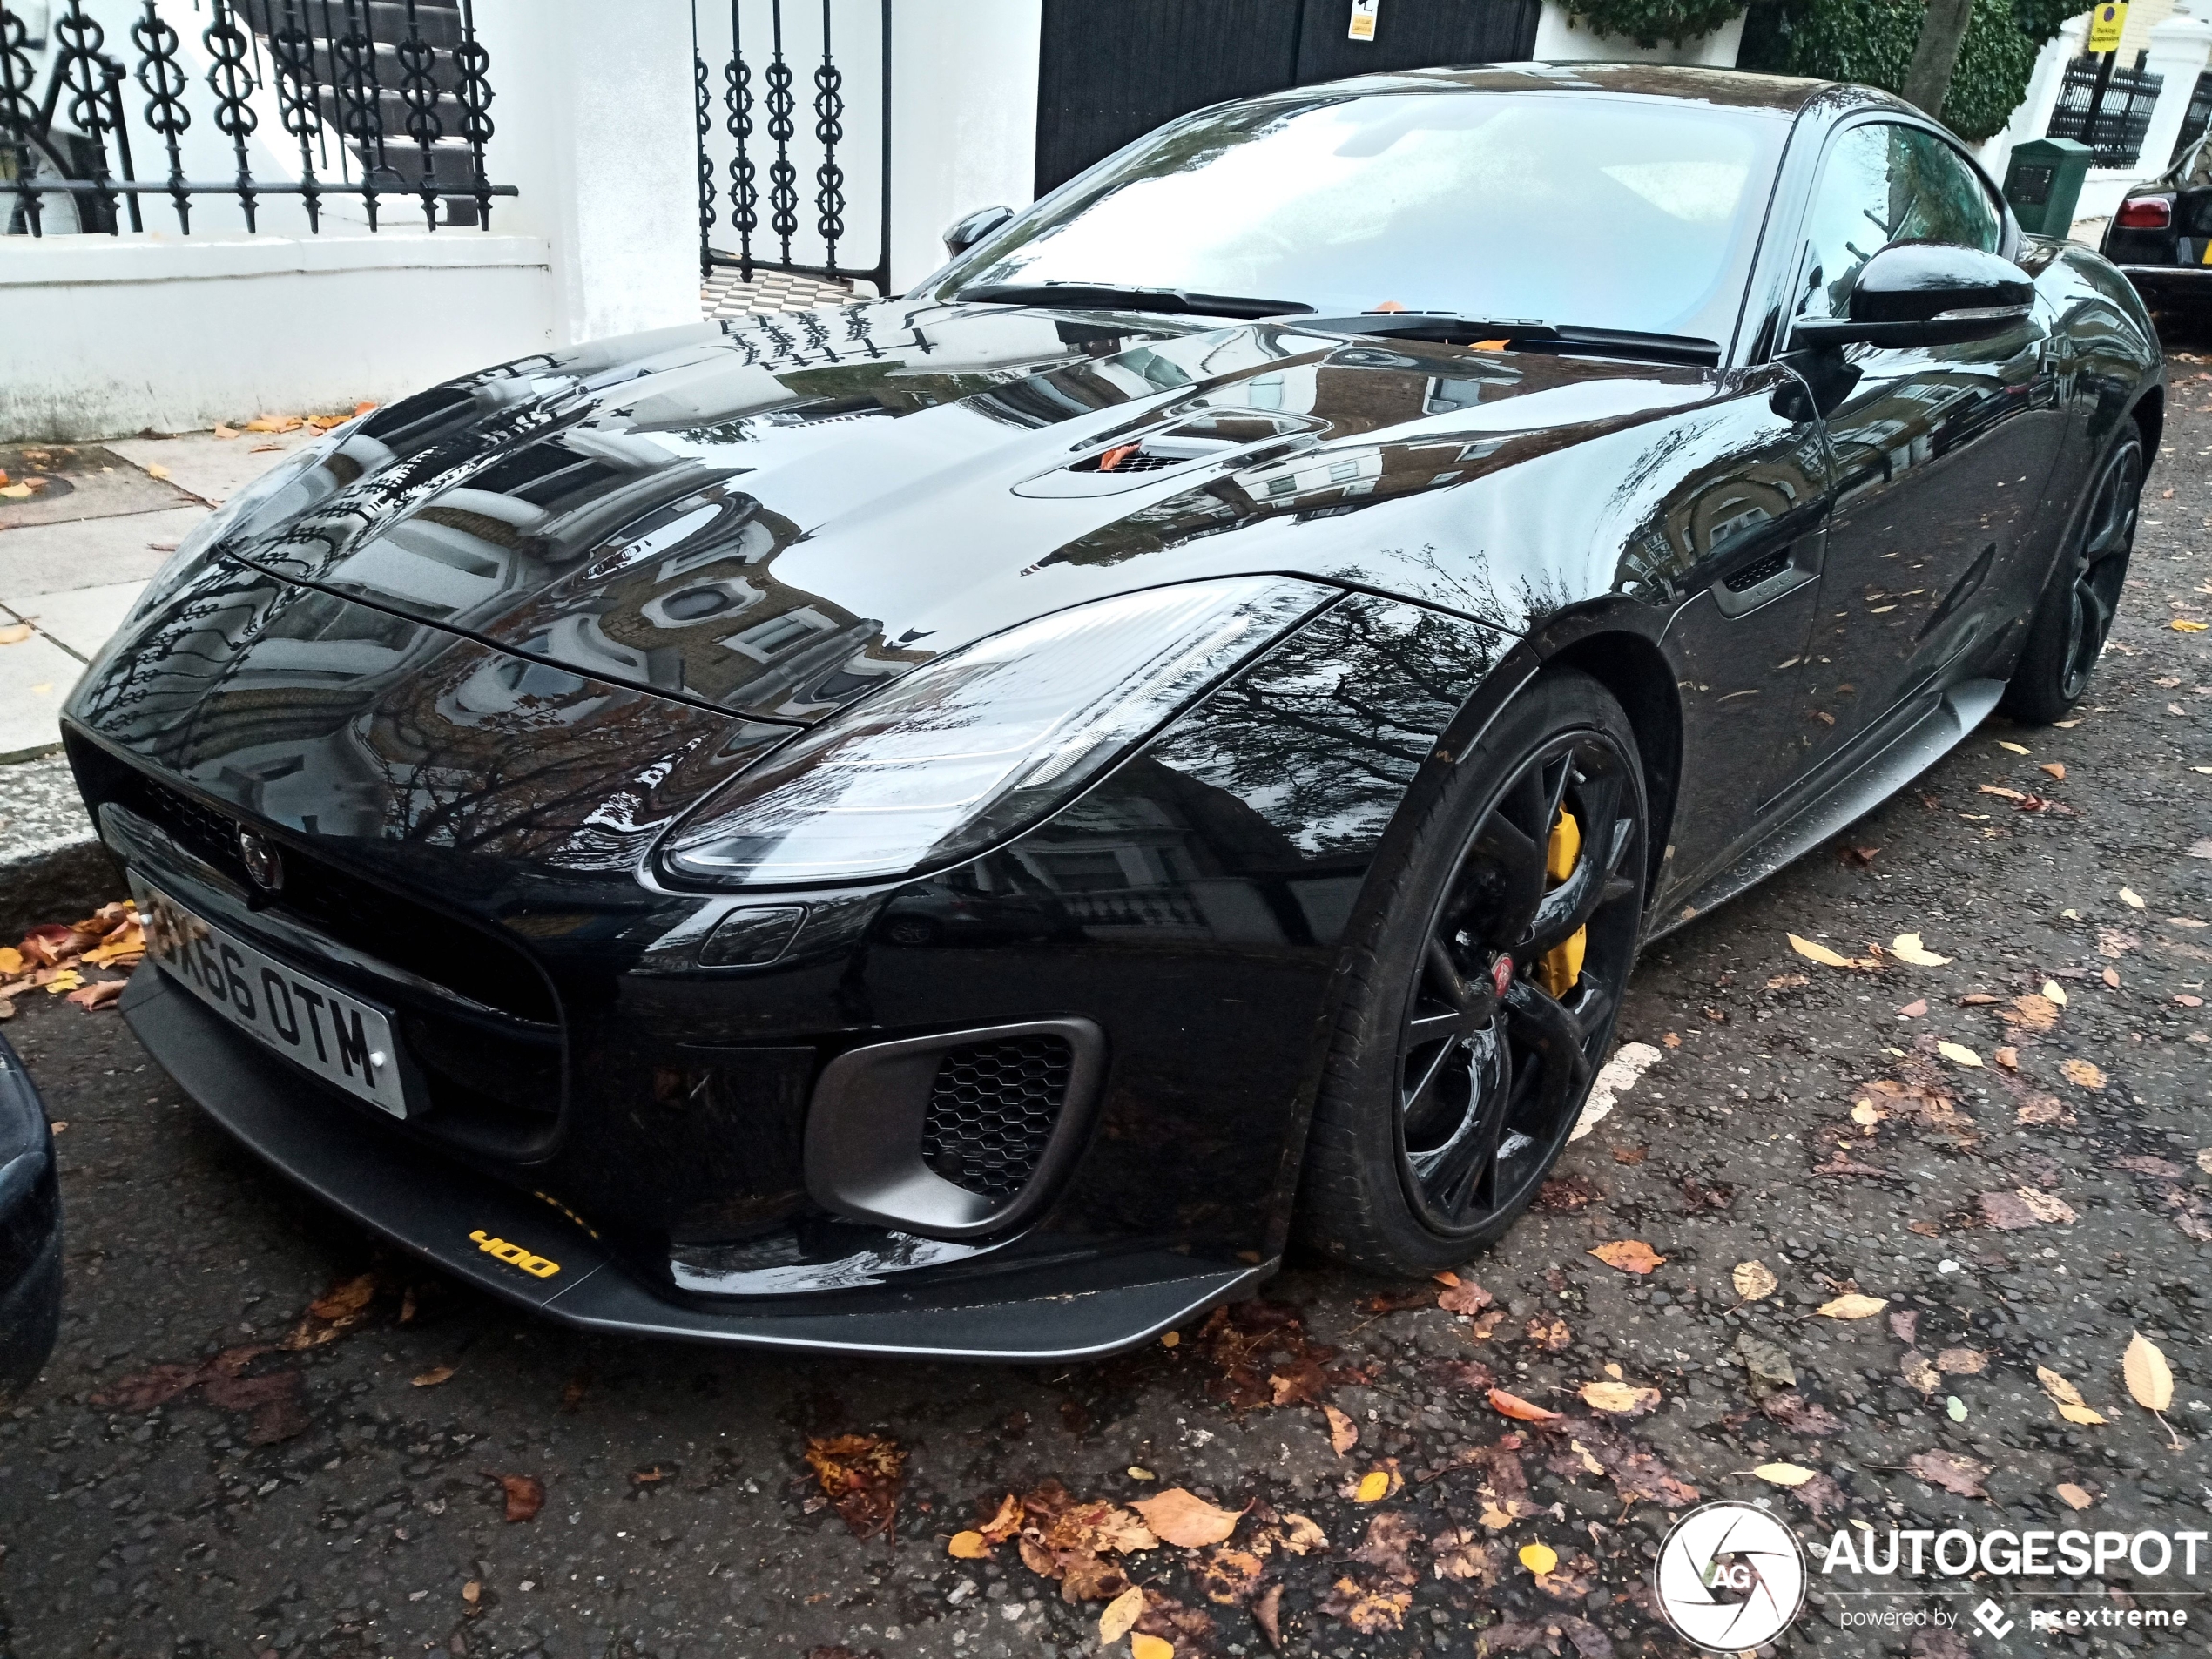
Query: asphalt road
pixel 322 1500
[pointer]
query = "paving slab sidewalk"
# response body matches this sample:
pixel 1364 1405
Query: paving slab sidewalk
pixel 73 559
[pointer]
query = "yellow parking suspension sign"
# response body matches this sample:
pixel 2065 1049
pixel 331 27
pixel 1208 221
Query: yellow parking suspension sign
pixel 2105 24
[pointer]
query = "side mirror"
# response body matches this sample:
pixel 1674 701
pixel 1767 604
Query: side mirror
pixel 1925 293
pixel 966 233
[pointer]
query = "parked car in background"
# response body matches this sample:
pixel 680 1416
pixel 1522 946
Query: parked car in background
pixel 1357 563
pixel 30 1230
pixel 2160 235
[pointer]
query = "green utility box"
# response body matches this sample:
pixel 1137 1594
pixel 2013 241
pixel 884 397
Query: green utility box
pixel 2044 182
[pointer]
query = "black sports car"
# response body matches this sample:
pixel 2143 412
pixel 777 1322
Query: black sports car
pixel 1307 598
pixel 2160 235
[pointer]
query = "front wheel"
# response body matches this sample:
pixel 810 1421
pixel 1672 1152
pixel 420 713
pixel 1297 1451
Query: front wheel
pixel 2068 633
pixel 1482 987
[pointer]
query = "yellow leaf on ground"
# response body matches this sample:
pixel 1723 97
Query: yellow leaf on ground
pixel 16 492
pixel 11 962
pixel 2056 768
pixel 1959 1055
pixel 1143 1647
pixel 1907 947
pixel 155 469
pixel 1629 1254
pixel 2183 625
pixel 2150 1379
pixel 1539 1558
pixel 1519 1409
pixel 1866 1113
pixel 2082 1072
pixel 222 431
pixel 1618 1397
pixel 1785 1474
pixel 2016 748
pixel 1753 1280
pixel 15 633
pixel 2054 992
pixel 968 1546
pixel 1374 1486
pixel 1853 1306
pixel 2132 899
pixel 433 1376
pixel 1818 953
pixel 2067 1398
pixel 1121 1615
pixel 1185 1520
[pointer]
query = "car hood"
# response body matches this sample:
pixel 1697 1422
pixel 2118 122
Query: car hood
pixel 772 516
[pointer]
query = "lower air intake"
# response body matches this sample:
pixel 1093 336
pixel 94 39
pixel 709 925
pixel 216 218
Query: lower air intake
pixel 992 1109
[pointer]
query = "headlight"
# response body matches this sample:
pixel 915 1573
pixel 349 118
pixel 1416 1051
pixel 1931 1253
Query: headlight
pixel 966 751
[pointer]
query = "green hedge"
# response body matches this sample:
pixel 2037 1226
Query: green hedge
pixel 1649 22
pixel 1871 41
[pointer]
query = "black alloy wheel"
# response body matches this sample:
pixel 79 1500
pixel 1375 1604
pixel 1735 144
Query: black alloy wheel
pixel 2068 632
pixel 1456 1080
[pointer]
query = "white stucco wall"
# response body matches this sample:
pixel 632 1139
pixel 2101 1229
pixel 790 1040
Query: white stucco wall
pixel 105 336
pixel 964 121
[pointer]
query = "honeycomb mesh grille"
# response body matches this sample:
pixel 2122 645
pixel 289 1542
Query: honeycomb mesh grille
pixel 991 1111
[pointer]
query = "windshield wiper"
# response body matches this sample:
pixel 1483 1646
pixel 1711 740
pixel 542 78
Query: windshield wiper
pixel 1109 296
pixel 1450 328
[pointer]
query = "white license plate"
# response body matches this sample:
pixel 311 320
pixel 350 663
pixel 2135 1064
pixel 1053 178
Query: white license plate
pixel 338 1037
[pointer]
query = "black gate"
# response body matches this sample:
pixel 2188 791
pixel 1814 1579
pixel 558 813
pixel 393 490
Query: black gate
pixel 2122 118
pixel 752 62
pixel 1110 73
pixel 2198 119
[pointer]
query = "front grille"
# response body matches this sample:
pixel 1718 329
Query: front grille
pixel 991 1110
pixel 1142 460
pixel 474 962
pixel 1750 575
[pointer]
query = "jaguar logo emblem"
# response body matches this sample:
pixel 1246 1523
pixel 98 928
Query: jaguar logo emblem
pixel 263 862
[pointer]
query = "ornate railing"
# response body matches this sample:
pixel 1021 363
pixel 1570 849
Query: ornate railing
pixel 746 119
pixel 382 101
pixel 2122 116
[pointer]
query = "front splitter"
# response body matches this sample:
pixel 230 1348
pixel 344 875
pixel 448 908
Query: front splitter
pixel 450 1215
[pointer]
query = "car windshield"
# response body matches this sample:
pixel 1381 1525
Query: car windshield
pixel 1581 210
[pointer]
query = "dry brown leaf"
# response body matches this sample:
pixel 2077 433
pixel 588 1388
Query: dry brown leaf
pixel 2083 1073
pixel 1853 1306
pixel 525 1495
pixel 1958 1475
pixel 1754 1280
pixel 1624 1399
pixel 2150 1379
pixel 349 1296
pixel 1370 1612
pixel 1185 1520
pixel 1267 1614
pixel 1549 1333
pixel 1918 1373
pixel 1463 1296
pixel 1143 1646
pixel 2074 1496
pixel 1344 1434
pixel 1629 1255
pixel 433 1376
pixel 15 633
pixel 1003 1524
pixel 1959 1055
pixel 860 1474
pixel 2046 1206
pixel 2056 768
pixel 1121 1616
pixel 1519 1409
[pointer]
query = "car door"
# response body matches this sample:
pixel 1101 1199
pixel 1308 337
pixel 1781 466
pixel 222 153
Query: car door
pixel 1938 455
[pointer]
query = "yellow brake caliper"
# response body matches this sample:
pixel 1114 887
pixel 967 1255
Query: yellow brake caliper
pixel 1561 966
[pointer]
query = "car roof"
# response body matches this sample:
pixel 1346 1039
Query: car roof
pixel 1729 88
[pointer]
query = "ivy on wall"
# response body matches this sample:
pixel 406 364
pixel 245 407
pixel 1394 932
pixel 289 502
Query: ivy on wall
pixel 1871 41
pixel 1649 22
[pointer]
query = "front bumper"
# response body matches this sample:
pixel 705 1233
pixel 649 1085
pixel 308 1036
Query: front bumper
pixel 449 1215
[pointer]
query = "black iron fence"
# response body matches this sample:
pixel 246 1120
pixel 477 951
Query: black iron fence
pixel 2121 119
pixel 382 101
pixel 2196 120
pixel 747 58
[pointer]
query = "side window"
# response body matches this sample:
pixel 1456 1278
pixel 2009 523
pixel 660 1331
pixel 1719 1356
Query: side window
pixel 1883 184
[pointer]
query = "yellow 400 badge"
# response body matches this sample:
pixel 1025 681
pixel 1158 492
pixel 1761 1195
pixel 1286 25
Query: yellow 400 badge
pixel 514 1255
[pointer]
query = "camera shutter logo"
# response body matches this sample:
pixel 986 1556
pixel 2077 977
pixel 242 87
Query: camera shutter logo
pixel 1730 1576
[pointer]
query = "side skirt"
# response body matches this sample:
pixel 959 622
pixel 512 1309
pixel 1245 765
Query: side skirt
pixel 1947 723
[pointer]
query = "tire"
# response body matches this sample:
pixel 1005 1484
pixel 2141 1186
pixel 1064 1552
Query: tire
pixel 1453 1077
pixel 2074 615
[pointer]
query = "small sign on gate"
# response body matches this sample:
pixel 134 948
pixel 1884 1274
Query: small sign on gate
pixel 1363 19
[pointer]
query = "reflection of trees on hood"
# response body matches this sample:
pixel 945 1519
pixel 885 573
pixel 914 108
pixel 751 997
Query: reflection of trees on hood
pixel 1331 727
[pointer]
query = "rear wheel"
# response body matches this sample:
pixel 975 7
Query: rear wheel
pixel 2071 623
pixel 1483 989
